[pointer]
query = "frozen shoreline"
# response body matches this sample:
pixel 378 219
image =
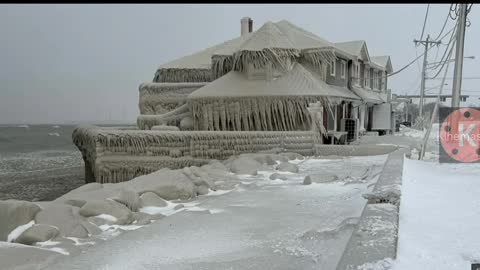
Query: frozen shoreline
pixel 292 208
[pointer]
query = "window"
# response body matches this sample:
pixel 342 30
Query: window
pixel 443 99
pixel 343 67
pixel 332 68
pixel 463 99
pixel 374 79
pixel 382 80
pixel 367 76
pixel 357 73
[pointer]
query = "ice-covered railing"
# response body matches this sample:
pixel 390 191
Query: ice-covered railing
pixel 119 155
pixel 159 98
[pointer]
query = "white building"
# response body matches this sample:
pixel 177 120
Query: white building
pixel 444 99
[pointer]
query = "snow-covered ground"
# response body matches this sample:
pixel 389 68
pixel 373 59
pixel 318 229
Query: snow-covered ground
pixel 420 134
pixel 439 217
pixel 261 224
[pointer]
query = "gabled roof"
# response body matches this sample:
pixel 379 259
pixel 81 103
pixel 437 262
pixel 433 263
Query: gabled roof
pixel 297 82
pixel 384 62
pixel 282 34
pixel 301 38
pixel 203 58
pixel 357 48
pixel 286 39
pixel 267 36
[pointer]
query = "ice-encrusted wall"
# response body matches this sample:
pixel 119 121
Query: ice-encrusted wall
pixel 113 155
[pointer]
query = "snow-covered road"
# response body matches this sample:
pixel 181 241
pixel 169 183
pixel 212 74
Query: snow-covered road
pixel 261 224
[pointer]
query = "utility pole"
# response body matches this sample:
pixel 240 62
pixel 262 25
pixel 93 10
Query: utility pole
pixel 457 75
pixel 427 44
pixel 406 111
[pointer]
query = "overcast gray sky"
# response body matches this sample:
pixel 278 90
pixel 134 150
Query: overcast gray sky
pixel 85 62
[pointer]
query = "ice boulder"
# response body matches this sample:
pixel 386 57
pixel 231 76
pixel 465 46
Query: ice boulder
pixel 76 203
pixel 88 187
pixel 287 167
pixel 92 191
pixel 14 213
pixel 144 218
pixel 67 219
pixel 319 178
pixel 216 165
pixel 202 190
pixel 166 183
pixel 152 199
pixel 130 199
pixel 245 165
pixel 122 214
pixel 16 256
pixel 37 233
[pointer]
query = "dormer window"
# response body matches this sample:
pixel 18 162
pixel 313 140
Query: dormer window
pixel 343 68
pixel 332 68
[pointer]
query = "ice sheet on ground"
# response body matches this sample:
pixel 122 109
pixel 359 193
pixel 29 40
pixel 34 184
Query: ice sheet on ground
pixel 283 220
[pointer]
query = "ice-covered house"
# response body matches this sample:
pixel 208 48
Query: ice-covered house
pixel 264 80
pixel 259 91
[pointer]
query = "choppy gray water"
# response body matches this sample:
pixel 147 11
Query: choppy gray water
pixel 32 149
pixel 38 162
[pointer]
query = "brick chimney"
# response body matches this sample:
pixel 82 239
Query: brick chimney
pixel 246 24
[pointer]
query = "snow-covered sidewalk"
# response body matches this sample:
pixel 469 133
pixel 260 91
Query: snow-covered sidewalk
pixel 439 225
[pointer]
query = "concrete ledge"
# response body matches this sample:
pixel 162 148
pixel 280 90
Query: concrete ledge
pixel 354 150
pixel 375 237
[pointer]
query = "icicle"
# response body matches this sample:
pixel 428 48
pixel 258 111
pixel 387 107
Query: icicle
pixel 183 75
pixel 216 116
pixel 238 123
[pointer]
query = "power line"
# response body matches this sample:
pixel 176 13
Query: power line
pixel 444 24
pixel 425 21
pixel 455 12
pixel 446 62
pixel 463 78
pixel 409 64
pixel 469 8
pixel 418 57
pixel 418 63
pixel 447 48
